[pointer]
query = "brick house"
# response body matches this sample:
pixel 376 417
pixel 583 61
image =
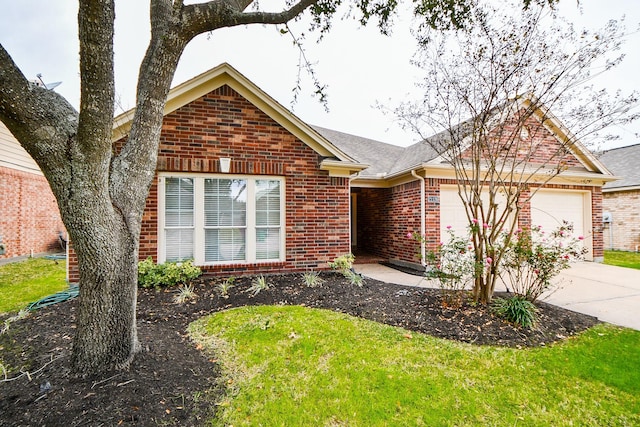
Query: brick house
pixel 621 199
pixel 244 186
pixel 29 218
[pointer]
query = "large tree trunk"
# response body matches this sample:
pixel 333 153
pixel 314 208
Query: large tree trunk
pixel 106 336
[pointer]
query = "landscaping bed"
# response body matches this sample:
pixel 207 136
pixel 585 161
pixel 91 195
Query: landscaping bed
pixel 172 381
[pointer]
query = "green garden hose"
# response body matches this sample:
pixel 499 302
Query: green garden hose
pixel 61 296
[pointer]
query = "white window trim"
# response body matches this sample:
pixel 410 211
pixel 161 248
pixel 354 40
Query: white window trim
pixel 198 238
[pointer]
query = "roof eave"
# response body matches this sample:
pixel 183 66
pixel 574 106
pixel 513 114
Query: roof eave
pixel 617 189
pixel 338 168
pixel 442 170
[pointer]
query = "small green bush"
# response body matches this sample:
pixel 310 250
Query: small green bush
pixel 151 275
pixel 354 278
pixel 185 293
pixel 517 310
pixel 343 263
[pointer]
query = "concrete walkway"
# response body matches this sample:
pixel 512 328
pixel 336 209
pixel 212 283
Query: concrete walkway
pixel 612 294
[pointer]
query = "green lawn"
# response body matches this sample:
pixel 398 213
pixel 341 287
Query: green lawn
pixel 296 366
pixel 27 281
pixel 622 259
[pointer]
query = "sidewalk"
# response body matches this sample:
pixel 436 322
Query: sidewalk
pixel 612 294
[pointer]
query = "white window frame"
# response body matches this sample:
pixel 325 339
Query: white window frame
pixel 199 217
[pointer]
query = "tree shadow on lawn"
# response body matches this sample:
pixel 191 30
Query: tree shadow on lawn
pixel 171 382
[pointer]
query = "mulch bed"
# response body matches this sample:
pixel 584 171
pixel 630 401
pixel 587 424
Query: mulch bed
pixel 171 382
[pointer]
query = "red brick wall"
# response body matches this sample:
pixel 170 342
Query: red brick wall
pixel 385 216
pixel 596 220
pixel 373 217
pixel 224 124
pixel 30 220
pixel 539 147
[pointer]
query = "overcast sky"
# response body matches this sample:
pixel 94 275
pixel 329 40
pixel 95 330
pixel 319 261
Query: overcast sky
pixel 359 66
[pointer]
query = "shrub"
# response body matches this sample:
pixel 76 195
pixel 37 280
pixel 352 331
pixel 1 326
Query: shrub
pixel 532 259
pixel 185 293
pixel 312 279
pixel 344 264
pixel 517 310
pixel 354 278
pixel 452 265
pixel 257 285
pixel 151 275
pixel 226 286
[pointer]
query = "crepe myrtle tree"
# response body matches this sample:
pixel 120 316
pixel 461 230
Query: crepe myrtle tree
pixel 101 191
pixel 485 87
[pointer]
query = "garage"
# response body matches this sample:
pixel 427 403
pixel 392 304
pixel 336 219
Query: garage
pixel 550 207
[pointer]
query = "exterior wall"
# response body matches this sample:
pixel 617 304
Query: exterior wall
pixel 30 220
pixel 13 155
pixel 385 216
pixel 624 232
pixel 224 124
pixel 539 147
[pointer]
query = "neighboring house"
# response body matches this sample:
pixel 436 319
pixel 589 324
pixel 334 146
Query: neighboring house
pixel 244 186
pixel 621 199
pixel 29 218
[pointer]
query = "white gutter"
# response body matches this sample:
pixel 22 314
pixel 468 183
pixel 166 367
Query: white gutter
pixel 423 212
pixel 351 178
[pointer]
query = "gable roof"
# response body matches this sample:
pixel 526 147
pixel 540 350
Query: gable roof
pixel 336 161
pixel 623 162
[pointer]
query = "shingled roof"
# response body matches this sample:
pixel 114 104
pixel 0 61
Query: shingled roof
pixel 379 155
pixel 625 163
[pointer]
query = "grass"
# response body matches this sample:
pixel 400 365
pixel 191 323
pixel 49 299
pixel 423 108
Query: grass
pixel 297 366
pixel 622 259
pixel 27 281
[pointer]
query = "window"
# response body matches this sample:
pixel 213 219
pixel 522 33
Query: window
pixel 267 219
pixel 221 220
pixel 225 219
pixel 179 218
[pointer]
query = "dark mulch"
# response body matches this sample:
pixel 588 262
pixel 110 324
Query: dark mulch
pixel 172 383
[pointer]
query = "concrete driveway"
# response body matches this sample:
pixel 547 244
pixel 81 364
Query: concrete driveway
pixel 612 294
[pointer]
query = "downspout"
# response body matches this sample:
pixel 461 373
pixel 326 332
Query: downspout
pixel 423 213
pixel 351 178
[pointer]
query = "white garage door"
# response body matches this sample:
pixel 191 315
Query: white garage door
pixel 550 207
pixel 453 213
